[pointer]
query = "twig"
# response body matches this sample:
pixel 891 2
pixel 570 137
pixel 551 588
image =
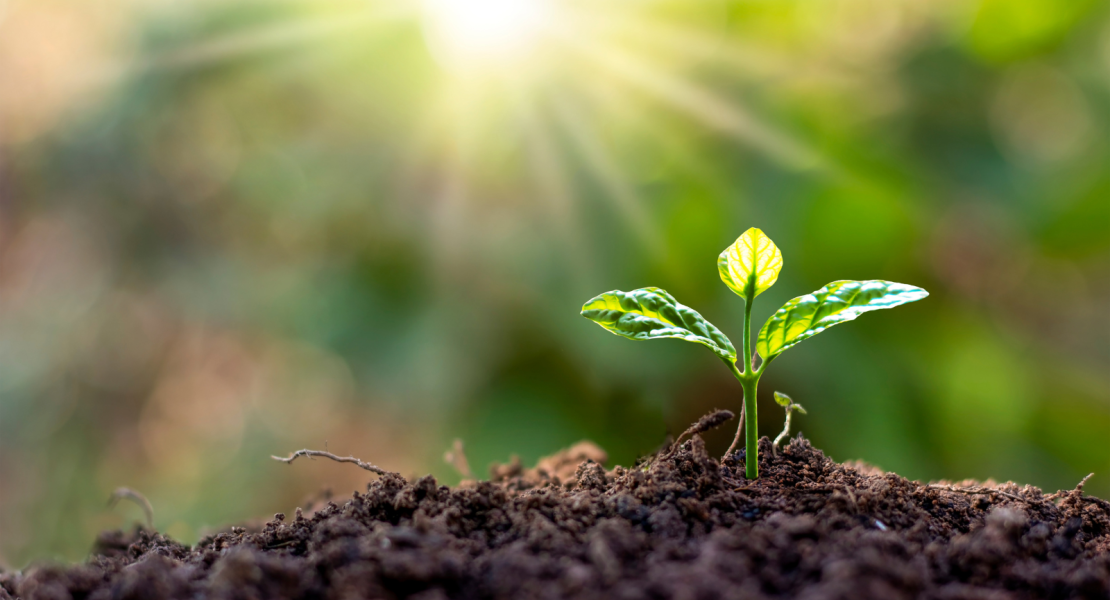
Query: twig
pixel 711 421
pixel 739 434
pixel 1078 488
pixel 979 491
pixel 343 459
pixel 139 499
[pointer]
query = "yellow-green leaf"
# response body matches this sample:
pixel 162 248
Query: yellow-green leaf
pixel 651 313
pixel 840 301
pixel 751 264
pixel 788 403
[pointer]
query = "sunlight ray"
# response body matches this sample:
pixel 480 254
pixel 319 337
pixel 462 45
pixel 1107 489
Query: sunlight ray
pixel 258 40
pixel 275 37
pixel 688 43
pixel 613 102
pixel 700 104
pixel 449 217
pixel 553 185
pixel 608 174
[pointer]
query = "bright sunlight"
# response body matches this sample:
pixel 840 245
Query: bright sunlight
pixel 479 34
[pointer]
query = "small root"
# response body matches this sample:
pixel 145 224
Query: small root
pixel 123 493
pixel 343 459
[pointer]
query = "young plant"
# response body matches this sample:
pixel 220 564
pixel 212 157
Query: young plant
pixel 787 404
pixel 749 267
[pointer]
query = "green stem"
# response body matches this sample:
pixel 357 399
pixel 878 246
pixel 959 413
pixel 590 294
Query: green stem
pixel 750 382
pixel 751 453
pixel 751 430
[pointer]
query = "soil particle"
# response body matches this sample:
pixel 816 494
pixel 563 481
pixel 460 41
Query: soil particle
pixel 681 526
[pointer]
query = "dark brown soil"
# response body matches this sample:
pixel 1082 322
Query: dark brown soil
pixel 683 527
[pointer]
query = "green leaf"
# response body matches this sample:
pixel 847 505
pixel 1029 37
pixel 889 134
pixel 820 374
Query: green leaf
pixel 788 403
pixel 751 264
pixel 651 313
pixel 840 301
pixel 782 399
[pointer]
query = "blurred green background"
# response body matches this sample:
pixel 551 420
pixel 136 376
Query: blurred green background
pixel 231 230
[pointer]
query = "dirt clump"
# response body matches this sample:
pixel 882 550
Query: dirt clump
pixel 681 526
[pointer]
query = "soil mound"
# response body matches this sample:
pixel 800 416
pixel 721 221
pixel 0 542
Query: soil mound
pixel 683 526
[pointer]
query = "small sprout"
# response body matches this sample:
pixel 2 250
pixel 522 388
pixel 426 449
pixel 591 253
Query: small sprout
pixel 788 404
pixel 749 267
pixel 456 457
pixel 139 499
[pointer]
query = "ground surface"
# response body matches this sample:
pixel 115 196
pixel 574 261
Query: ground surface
pixel 685 527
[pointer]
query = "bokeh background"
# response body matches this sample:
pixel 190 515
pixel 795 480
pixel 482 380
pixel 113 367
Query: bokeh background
pixel 235 229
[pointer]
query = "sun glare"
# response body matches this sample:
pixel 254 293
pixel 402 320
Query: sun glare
pixel 484 33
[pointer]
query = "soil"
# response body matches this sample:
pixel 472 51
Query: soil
pixel 680 526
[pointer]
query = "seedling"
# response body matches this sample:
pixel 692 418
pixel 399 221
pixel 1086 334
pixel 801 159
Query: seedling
pixel 787 404
pixel 749 267
pixel 123 493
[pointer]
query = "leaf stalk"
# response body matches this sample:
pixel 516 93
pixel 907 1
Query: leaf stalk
pixel 747 344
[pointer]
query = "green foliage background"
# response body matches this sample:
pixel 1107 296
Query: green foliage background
pixel 230 230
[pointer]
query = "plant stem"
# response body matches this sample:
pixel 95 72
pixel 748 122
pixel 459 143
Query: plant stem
pixel 785 431
pixel 751 454
pixel 749 383
pixel 749 380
